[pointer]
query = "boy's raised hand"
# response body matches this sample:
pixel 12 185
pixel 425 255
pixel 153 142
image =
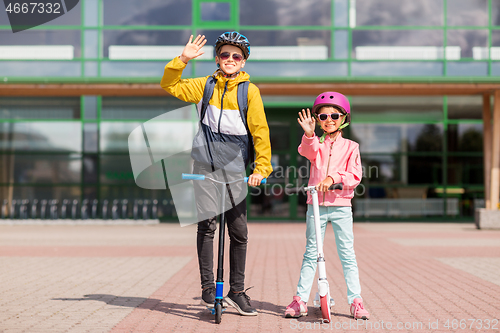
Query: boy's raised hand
pixel 193 48
pixel 307 122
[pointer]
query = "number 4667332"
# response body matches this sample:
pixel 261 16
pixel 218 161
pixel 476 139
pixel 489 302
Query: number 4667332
pixel 486 324
pixel 34 7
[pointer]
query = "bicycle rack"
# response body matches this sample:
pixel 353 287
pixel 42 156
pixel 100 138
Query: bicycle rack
pixel 114 210
pixel 53 209
pixel 154 209
pixel 93 213
pixel 64 208
pixel 43 209
pixel 12 211
pixel 4 208
pixel 74 208
pixel 33 209
pixel 145 210
pixel 104 209
pixel 23 209
pixel 84 209
pixel 124 208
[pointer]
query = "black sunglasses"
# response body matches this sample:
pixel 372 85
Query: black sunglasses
pixel 334 116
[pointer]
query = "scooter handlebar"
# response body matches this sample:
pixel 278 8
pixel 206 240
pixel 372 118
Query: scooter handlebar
pixel 193 176
pixel 337 186
pixel 263 181
pixel 296 190
pixel 202 177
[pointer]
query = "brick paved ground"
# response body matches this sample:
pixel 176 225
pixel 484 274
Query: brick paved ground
pixel 145 279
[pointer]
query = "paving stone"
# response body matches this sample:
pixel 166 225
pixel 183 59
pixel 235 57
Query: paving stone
pixel 145 278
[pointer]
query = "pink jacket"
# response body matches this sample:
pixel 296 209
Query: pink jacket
pixel 340 160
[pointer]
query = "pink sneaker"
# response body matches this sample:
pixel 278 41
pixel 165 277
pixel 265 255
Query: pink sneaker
pixel 296 309
pixel 358 310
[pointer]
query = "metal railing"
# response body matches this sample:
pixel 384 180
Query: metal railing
pixel 406 207
pixel 116 209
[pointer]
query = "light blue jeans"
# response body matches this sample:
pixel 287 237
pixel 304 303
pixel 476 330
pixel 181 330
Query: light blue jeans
pixel 341 218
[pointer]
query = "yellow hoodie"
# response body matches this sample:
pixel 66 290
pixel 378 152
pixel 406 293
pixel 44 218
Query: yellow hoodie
pixel 191 91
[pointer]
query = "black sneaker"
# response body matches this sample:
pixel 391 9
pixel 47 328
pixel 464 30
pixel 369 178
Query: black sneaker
pixel 208 298
pixel 241 302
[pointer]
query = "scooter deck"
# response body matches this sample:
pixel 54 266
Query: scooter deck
pixel 211 308
pixel 317 303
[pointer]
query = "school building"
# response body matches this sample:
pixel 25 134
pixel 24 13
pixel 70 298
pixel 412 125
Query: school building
pixel 421 75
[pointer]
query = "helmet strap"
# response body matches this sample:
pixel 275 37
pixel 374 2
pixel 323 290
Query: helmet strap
pixel 323 137
pixel 228 76
pixel 325 134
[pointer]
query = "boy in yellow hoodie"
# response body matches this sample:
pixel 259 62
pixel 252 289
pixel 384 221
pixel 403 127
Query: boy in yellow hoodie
pixel 223 120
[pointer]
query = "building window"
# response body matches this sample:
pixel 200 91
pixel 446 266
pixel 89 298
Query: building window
pixel 146 12
pixel 467 12
pixel 215 11
pixel 285 12
pixel 405 13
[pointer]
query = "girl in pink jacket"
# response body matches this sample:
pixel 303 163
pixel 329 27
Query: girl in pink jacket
pixel 333 160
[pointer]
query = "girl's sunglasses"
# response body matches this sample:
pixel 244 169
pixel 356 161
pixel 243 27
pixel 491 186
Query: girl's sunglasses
pixel 334 116
pixel 236 57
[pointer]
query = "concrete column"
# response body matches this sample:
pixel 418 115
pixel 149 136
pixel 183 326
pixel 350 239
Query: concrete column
pixel 487 149
pixel 495 154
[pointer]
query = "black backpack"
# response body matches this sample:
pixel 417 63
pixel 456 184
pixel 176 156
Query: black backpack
pixel 242 99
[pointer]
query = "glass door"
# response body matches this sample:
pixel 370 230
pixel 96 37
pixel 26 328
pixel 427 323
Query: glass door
pixel 273 201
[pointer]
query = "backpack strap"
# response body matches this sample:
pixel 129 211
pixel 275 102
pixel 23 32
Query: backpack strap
pixel 207 95
pixel 242 98
pixel 243 107
pixel 243 101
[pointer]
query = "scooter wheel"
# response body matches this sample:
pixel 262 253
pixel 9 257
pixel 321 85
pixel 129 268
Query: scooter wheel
pixel 325 308
pixel 218 313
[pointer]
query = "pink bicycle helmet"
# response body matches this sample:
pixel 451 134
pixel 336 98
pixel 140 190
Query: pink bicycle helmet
pixel 334 99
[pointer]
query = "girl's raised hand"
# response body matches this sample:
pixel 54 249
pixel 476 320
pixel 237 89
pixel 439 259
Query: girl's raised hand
pixel 307 122
pixel 193 48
